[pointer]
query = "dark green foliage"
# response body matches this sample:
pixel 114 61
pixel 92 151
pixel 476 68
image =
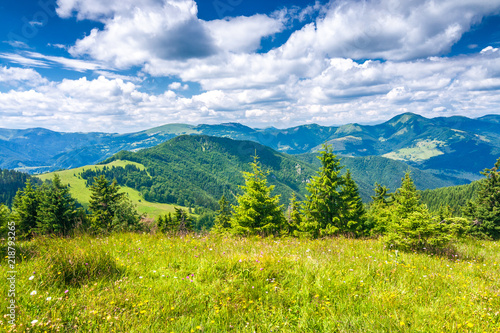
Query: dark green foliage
pixel 126 217
pixel 324 204
pixel 352 212
pixel 197 171
pixel 104 200
pixel 180 222
pixel 485 209
pixel 410 226
pixel 26 205
pixel 293 215
pixel 368 170
pixel 454 197
pixel 130 176
pixel 10 182
pixel 223 216
pixel 4 220
pixel 257 212
pixel 56 209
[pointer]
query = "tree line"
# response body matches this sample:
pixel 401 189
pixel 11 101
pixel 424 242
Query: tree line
pixel 333 206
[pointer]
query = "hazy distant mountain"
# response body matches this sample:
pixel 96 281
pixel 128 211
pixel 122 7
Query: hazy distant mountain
pixel 458 147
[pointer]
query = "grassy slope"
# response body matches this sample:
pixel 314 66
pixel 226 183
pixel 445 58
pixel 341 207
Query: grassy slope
pixel 208 284
pixel 82 193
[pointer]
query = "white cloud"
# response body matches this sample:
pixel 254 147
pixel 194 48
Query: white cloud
pixel 387 29
pixel 243 34
pixel 26 75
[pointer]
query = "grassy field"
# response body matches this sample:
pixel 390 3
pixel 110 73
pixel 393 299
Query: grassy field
pixel 82 193
pixel 159 283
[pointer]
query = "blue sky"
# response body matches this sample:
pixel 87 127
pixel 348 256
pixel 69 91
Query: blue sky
pixel 128 65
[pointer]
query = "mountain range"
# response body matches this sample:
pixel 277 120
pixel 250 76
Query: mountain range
pixel 454 149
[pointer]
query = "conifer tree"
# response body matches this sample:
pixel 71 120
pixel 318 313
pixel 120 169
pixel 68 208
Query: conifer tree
pixel 294 214
pixel 352 211
pixel 380 212
pixel 4 220
pixel 257 212
pixel 410 225
pixel 182 220
pixel 103 199
pixel 26 204
pixel 57 209
pixel 324 204
pixel 485 209
pixel 223 216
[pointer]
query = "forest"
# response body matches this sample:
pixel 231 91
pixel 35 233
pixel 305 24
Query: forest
pixel 330 205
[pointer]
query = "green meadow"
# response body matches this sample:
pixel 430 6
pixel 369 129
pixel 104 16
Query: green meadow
pixel 204 283
pixel 81 193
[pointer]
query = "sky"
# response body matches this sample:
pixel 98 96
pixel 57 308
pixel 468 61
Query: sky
pixel 128 65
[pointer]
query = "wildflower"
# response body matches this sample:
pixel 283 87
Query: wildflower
pixel 33 322
pixel 31 277
pixel 66 291
pixel 33 293
pixel 48 299
pixel 140 277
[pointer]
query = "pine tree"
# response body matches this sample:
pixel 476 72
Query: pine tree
pixel 410 225
pixel 223 216
pixel 182 221
pixel 294 215
pixel 380 212
pixel 485 209
pixel 257 212
pixel 26 204
pixel 352 211
pixel 103 199
pixel 382 195
pixel 4 220
pixel 57 209
pixel 324 204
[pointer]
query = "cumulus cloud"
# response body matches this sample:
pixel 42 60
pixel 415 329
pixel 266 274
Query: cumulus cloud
pixel 387 29
pixel 26 75
pixel 243 34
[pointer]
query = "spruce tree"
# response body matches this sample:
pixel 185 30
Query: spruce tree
pixel 25 205
pixel 182 221
pixel 294 214
pixel 324 204
pixel 103 199
pixel 352 211
pixel 4 220
pixel 485 209
pixel 410 225
pixel 257 212
pixel 57 209
pixel 223 216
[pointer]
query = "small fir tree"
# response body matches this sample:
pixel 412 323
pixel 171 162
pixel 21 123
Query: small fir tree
pixel 57 209
pixel 294 215
pixel 257 212
pixel 324 204
pixel 25 205
pixel 485 209
pixel 103 200
pixel 223 216
pixel 352 211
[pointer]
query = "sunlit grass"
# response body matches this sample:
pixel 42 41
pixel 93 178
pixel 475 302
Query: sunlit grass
pixel 215 284
pixel 82 194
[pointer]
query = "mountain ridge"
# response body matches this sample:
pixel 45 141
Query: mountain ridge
pixel 442 145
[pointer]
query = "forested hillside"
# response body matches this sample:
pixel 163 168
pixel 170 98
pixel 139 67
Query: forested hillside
pixel 10 182
pixel 199 170
pixel 454 148
pixel 454 197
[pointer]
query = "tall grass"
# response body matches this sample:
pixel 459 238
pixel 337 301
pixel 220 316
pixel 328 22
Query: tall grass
pixel 214 284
